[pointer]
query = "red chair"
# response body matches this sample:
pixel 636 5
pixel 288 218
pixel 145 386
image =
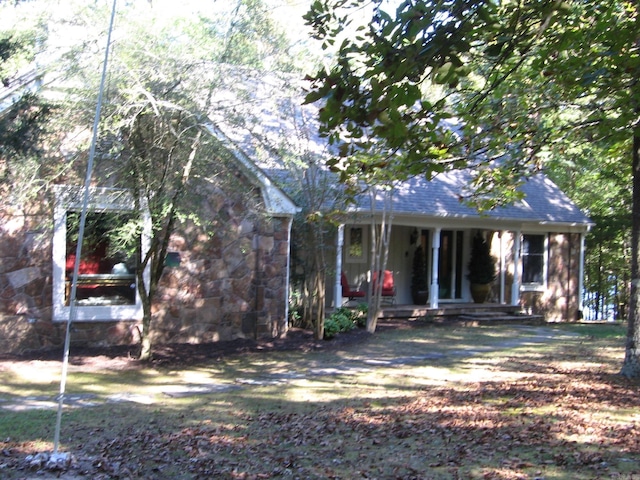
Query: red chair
pixel 388 287
pixel 348 292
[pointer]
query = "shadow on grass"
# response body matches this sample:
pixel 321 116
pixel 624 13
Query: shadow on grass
pixel 550 409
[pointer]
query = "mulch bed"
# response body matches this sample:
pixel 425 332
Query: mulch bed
pixel 296 339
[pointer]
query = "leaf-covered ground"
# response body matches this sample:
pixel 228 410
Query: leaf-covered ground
pixel 508 408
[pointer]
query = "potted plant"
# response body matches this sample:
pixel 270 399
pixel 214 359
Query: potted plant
pixel 419 283
pixel 482 269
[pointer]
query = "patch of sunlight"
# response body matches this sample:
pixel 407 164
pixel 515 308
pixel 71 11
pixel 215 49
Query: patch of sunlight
pixel 494 363
pixel 585 438
pixel 466 374
pixel 392 380
pixel 547 410
pixel 318 391
pixel 131 397
pixel 194 389
pixel 44 372
pixel 418 340
pixel 616 415
pixel 194 376
pixel 577 366
pixel 612 353
pixel 26 388
pixel 422 376
pixel 516 472
pixel 31 446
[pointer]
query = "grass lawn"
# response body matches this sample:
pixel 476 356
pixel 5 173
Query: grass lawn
pixel 430 402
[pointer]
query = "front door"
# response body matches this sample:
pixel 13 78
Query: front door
pixel 450 267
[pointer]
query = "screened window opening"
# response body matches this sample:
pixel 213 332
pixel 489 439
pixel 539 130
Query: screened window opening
pixel 106 274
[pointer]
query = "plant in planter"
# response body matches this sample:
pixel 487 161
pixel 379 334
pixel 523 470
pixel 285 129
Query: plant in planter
pixel 482 269
pixel 419 282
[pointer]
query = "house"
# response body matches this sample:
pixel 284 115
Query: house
pixel 236 283
pixel 538 244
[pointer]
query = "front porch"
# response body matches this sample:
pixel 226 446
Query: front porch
pixel 477 313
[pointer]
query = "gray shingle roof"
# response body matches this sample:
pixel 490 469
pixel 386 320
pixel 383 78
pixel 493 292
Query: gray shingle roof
pixel 440 197
pixel 274 122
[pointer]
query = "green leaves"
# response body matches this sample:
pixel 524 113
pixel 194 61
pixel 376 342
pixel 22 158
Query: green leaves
pixel 382 95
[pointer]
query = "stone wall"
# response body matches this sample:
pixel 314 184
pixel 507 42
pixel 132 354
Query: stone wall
pixel 231 283
pixel 560 301
pixel 561 296
pixel 25 277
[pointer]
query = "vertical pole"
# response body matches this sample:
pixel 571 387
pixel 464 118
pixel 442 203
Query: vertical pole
pixel 515 288
pixel 434 289
pixel 83 218
pixel 337 288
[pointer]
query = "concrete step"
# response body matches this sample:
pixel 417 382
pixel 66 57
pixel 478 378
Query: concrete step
pixel 489 318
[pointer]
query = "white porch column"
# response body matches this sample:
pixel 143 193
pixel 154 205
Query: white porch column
pixel 515 288
pixel 337 295
pixel 581 275
pixel 288 276
pixel 503 266
pixel 434 289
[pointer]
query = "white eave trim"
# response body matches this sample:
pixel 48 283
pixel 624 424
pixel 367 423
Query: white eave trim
pixel 276 201
pixel 467 221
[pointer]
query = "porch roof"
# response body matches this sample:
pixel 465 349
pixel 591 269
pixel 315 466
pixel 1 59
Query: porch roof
pixel 544 202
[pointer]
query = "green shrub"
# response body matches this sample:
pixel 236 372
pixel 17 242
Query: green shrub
pixel 360 314
pixel 331 328
pixel 344 320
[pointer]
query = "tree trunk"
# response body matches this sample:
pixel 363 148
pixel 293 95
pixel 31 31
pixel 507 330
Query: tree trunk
pixel 631 365
pixel 599 292
pixel 380 240
pixel 145 340
pixel 145 334
pixel 318 297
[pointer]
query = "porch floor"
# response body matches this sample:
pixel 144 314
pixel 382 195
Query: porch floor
pixel 473 313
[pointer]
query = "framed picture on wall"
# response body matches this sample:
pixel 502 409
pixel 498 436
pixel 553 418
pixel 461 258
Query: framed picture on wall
pixel 356 245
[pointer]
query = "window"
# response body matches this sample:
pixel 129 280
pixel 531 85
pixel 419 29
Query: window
pixel 533 259
pixel 106 274
pixel 106 288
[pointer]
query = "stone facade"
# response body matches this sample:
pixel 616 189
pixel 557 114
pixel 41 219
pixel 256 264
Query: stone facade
pixel 559 301
pixel 25 278
pixel 230 283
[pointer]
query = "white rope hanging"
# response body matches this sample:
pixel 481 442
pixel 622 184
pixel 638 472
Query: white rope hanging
pixel 83 218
